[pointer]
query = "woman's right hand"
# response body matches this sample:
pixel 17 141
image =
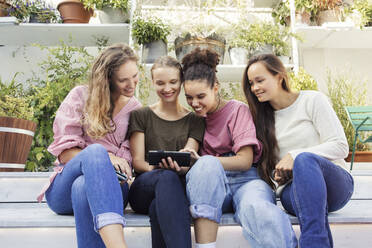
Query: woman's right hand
pixel 193 153
pixel 121 165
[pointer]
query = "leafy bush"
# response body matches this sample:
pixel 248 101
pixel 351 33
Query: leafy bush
pixel 14 102
pixel 64 68
pixel 302 81
pixel 342 92
pixel 147 30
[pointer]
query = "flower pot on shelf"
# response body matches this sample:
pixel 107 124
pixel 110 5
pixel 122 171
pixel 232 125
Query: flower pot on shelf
pixel 73 11
pixel 111 15
pixel 360 156
pixel 189 43
pixel 15 141
pixel 153 50
pixel 4 8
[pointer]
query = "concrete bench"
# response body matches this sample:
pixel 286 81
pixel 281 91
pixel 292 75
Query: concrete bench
pixel 20 211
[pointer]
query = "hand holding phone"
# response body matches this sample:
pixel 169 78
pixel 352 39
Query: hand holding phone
pixel 121 176
pixel 156 157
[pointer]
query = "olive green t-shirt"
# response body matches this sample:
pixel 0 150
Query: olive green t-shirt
pixel 165 135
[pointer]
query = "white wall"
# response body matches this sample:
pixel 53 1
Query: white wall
pixel 356 63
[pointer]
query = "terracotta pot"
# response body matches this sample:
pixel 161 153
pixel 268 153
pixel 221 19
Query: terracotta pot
pixel 360 156
pixel 73 11
pixel 4 8
pixel 15 142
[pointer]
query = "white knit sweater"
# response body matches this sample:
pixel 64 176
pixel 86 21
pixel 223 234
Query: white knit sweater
pixel 310 125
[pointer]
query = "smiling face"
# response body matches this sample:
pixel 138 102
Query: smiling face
pixel 126 79
pixel 264 85
pixel 167 83
pixel 201 97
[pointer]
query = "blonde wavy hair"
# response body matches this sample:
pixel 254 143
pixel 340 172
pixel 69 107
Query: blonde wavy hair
pixel 99 104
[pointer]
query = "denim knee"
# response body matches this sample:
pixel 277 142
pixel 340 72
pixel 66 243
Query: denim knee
pixel 79 200
pixel 206 188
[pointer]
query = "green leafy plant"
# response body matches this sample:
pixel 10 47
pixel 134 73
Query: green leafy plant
pixel 256 35
pixel 38 10
pixel 281 10
pixel 100 4
pixel 14 102
pixel 302 80
pixel 342 92
pixel 364 7
pixel 64 68
pixel 232 90
pixel 147 30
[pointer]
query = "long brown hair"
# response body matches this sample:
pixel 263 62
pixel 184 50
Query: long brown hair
pixel 99 105
pixel 264 116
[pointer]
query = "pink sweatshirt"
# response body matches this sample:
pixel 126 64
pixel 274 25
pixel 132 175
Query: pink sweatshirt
pixel 229 129
pixel 69 132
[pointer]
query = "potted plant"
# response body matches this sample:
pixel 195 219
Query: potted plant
pixel 304 11
pixel 198 32
pixel 262 37
pixel 151 32
pixel 111 11
pixel 328 11
pixel 33 11
pixel 342 92
pixel 362 9
pixel 16 125
pixel 4 8
pixel 74 11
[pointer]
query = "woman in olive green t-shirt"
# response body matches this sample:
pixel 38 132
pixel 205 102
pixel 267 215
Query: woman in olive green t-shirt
pixel 166 125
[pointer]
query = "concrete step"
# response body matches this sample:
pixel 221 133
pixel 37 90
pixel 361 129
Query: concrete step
pixel 25 186
pixel 344 236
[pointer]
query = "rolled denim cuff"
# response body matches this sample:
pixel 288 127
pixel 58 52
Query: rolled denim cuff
pixel 205 211
pixel 109 218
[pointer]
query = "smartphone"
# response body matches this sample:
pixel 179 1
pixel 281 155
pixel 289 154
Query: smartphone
pixel 121 176
pixel 182 158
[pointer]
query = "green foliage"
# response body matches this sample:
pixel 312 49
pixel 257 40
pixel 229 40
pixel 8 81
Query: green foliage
pixel 144 86
pixel 100 4
pixel 364 7
pixel 342 92
pixel 232 90
pixel 64 68
pixel 147 30
pixel 281 10
pixel 302 81
pixel 256 35
pixel 14 102
pixel 37 9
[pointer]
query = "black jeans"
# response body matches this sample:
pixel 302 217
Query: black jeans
pixel 161 194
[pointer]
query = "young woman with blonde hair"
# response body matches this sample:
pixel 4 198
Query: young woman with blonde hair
pixel 89 141
pixel 165 125
pixel 304 147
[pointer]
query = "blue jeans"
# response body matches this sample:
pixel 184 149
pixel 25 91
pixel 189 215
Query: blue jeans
pixel 213 191
pixel 318 187
pixel 89 188
pixel 161 194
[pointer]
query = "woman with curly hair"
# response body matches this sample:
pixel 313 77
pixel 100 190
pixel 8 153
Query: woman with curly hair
pixel 89 141
pixel 226 178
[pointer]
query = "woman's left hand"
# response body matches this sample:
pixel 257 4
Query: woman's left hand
pixel 283 169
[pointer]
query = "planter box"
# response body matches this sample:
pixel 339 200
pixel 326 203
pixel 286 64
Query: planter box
pixel 360 156
pixel 16 137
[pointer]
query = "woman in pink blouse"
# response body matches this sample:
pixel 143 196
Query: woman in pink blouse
pixel 89 142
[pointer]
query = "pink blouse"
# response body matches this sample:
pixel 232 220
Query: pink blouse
pixel 69 131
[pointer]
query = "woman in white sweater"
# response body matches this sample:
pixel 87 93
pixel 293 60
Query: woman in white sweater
pixel 303 147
